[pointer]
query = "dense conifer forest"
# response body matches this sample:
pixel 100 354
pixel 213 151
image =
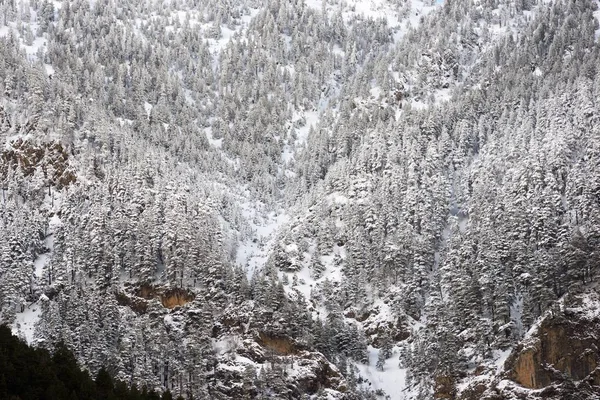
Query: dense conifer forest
pixel 31 374
pixel 303 199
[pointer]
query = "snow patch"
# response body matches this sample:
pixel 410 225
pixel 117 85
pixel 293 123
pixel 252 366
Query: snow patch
pixel 40 264
pixel 216 143
pixel 392 380
pixel 500 356
pixel 597 16
pixel 24 324
pixel 148 108
pixel 49 69
pixel 253 252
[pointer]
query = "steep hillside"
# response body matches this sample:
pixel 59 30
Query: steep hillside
pixel 305 199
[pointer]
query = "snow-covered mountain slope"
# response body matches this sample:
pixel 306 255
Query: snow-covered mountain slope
pixel 336 199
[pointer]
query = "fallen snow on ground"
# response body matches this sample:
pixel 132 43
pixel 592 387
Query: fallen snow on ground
pixel 253 252
pixel 597 16
pixel 38 44
pixel 148 108
pixel 216 143
pixel 398 18
pixel 24 324
pixel 500 358
pixel 392 380
pixel 216 46
pixel 40 264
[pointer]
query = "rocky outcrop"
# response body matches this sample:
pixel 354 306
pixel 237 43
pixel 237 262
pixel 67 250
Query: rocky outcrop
pixel 317 373
pixel 444 387
pixel 379 325
pixel 169 297
pixel 137 298
pixel 281 345
pixel 51 159
pixel 138 305
pixel 293 370
pixel 305 374
pixel 558 359
pixel 565 347
pixel 252 351
pixel 174 297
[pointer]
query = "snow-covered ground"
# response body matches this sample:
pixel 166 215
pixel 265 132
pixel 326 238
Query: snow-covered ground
pixel 496 367
pixel 597 16
pixel 216 143
pixel 38 45
pixel 392 380
pixel 24 324
pixel 400 19
pixel 253 252
pixel 302 121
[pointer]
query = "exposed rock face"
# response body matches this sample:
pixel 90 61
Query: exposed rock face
pixel 474 391
pixel 558 359
pixel 281 345
pixel 172 298
pixel 565 347
pixel 376 328
pixel 320 373
pixel 252 350
pixel 306 374
pixel 51 158
pixel 138 305
pixel 169 298
pixel 444 388
pixel 294 371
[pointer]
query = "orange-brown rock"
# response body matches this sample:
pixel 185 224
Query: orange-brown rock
pixel 169 298
pixel 562 349
pixel 445 387
pixel 172 298
pixel 281 345
pixel 558 360
pixel 565 348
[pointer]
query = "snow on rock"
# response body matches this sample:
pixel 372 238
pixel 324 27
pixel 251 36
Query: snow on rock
pixel 379 321
pixel 484 373
pixel 244 346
